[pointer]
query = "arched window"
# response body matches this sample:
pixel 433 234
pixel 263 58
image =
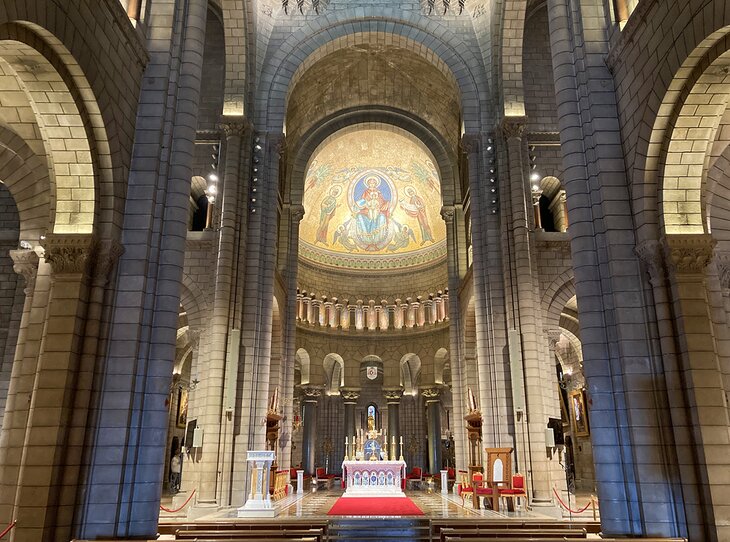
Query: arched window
pixel 373 411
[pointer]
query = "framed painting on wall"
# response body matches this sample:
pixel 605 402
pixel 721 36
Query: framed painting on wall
pixel 182 407
pixel 578 413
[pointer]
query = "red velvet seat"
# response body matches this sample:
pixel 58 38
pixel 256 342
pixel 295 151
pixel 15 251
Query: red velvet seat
pixel 321 474
pixel 517 491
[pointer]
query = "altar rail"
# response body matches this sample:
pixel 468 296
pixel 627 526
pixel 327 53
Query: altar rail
pixel 400 314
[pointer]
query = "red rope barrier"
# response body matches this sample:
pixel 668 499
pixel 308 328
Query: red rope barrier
pixel 568 509
pixel 177 509
pixel 8 528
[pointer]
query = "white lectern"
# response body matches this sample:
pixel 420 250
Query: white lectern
pixel 259 501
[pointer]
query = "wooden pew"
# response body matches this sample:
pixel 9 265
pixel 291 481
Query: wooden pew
pixel 513 532
pixel 250 534
pixel 171 528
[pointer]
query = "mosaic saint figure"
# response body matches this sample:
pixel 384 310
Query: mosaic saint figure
pixel 415 207
pixel 402 239
pixel 342 236
pixel 326 212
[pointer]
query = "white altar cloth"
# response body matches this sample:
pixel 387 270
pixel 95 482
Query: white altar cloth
pixel 373 478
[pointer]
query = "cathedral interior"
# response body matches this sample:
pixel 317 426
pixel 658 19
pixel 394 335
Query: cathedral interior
pixel 446 230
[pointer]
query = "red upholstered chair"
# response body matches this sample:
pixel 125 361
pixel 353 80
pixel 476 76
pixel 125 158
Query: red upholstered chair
pixel 415 477
pixel 321 474
pixel 465 487
pixel 516 491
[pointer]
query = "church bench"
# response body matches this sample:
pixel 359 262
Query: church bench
pixel 513 532
pixel 591 527
pixel 264 539
pixel 250 534
pixel 543 539
pixel 283 524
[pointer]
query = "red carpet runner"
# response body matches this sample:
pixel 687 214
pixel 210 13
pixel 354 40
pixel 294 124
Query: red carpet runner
pixel 375 506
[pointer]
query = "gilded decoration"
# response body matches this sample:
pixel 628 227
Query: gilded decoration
pixel 372 199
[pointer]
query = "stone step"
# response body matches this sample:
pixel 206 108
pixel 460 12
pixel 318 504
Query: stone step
pixel 379 529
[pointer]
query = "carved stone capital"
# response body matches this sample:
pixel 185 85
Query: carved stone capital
pixel 297 212
pixel 311 393
pixel 447 213
pixel 651 254
pixel 470 143
pixel 234 126
pixel 25 264
pixel 393 395
pixel 276 142
pixel 723 269
pixel 431 394
pixel 68 254
pixel 689 254
pixel 107 254
pixel 553 336
pixel 513 127
pixel 350 395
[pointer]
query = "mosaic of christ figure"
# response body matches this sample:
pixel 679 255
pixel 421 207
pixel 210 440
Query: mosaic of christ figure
pixel 371 203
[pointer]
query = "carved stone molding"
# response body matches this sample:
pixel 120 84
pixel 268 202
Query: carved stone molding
pixel 723 270
pixel 68 254
pixel 651 255
pixel 431 394
pixel 234 126
pixel 513 127
pixel 393 395
pixel 25 264
pixel 689 254
pixel 350 395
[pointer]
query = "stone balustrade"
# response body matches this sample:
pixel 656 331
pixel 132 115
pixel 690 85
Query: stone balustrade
pixel 399 314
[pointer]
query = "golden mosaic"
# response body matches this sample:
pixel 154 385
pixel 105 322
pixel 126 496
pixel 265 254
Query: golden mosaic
pixel 372 200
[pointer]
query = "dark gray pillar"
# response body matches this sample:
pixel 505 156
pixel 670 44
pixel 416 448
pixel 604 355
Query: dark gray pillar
pixel 393 397
pixel 433 420
pixel 309 441
pixel 350 397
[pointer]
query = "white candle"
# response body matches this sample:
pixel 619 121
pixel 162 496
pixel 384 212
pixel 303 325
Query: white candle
pixel 401 440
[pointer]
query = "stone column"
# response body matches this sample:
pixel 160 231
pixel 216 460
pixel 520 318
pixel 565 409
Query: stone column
pixel 216 427
pixel 309 421
pixel 393 396
pixel 44 495
pixel 350 397
pixel 21 378
pixel 687 259
pixel 433 421
pixel 296 213
pixel 520 277
pixel 458 370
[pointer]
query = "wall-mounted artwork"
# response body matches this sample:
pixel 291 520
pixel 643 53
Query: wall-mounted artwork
pixel 578 413
pixel 182 407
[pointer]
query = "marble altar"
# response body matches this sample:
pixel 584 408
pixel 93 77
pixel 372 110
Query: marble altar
pixel 373 478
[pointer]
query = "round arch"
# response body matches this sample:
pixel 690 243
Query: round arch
pixel 334 372
pixel 410 369
pixel 324 32
pixel 445 159
pixel 302 358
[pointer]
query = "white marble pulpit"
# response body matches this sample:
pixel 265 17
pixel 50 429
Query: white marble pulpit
pixel 259 502
pixel 373 478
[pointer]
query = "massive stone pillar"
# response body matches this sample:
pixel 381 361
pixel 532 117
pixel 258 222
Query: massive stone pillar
pixel 309 420
pixel 135 370
pixel 623 374
pixel 393 396
pixel 433 424
pixel 350 397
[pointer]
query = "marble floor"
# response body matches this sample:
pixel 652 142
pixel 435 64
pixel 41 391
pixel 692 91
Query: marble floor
pixel 314 505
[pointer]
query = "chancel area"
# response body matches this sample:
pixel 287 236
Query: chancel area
pixel 313 270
